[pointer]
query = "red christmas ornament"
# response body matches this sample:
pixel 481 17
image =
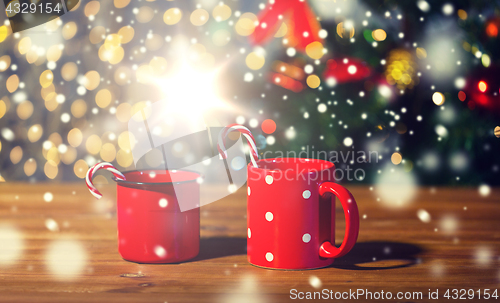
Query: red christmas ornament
pixel 346 70
pixel 303 27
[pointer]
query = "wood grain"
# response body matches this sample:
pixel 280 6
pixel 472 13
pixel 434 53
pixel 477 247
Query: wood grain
pixel 395 251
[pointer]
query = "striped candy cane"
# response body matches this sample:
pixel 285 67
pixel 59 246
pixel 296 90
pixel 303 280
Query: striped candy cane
pixel 90 175
pixel 246 133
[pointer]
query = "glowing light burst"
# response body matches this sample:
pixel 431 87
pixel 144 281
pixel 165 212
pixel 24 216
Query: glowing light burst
pixel 191 90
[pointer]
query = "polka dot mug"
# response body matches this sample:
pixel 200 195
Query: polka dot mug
pixel 291 214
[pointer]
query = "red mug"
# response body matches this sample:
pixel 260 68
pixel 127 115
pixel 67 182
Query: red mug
pixel 291 214
pixel 151 226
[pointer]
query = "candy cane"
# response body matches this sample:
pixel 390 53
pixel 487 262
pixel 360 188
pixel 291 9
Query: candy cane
pixel 246 133
pixel 90 175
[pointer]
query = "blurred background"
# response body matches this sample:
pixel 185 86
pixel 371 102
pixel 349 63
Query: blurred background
pixel 413 82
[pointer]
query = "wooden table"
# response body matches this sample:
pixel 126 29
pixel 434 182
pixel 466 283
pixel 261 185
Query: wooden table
pixel 395 252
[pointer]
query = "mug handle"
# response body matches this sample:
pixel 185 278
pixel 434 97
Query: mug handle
pixel 327 249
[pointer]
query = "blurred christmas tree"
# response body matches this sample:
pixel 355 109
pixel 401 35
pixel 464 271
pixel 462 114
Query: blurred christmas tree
pixel 421 107
pixel 414 82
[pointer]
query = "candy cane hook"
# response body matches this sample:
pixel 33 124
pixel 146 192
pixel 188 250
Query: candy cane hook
pixel 90 175
pixel 246 133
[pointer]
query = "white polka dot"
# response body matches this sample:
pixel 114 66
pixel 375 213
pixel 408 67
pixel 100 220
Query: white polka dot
pixel 306 238
pixel 306 194
pixel 249 232
pixel 269 180
pixel 163 202
pixel 269 216
pixel 269 257
pixel 249 191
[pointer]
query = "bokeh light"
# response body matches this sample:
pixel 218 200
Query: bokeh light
pixel 438 98
pixel 482 86
pixel 221 12
pixel 345 29
pixel 396 158
pixel 69 71
pixel 91 80
pixel 103 98
pixel 401 69
pixel 66 259
pixel 35 132
pixel 313 81
pixel 424 216
pixel 268 126
pixel 255 61
pixel 245 25
pixel 199 17
pixel 315 50
pixel 80 168
pixel 78 108
pixel 145 14
pixel 24 110
pixel 93 144
pixel 30 167
pixel 172 16
pixel 75 137
pixel 395 187
pixel 12 245
pixel 379 35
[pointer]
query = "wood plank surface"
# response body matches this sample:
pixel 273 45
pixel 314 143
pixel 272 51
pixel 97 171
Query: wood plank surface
pixel 396 251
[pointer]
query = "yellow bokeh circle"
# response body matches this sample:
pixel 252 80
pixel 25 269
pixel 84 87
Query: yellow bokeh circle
pixel 172 16
pixel 255 61
pixel 313 81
